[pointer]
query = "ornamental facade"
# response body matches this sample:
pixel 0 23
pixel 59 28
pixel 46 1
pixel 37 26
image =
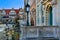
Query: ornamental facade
pixel 44 12
pixel 9 15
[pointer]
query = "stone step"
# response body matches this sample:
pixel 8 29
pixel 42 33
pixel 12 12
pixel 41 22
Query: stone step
pixel 42 39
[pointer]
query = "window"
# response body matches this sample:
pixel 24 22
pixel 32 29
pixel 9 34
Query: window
pixel 42 19
pixel 12 12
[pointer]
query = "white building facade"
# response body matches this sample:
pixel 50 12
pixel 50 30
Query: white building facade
pixel 45 12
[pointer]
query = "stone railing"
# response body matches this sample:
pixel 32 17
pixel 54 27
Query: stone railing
pixel 39 31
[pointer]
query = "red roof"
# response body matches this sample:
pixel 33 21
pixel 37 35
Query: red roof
pixel 8 10
pixel 17 11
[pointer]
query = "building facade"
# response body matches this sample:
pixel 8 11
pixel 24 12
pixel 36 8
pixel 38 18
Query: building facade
pixel 47 12
pixel 33 12
pixel 44 12
pixel 8 16
pixel 22 17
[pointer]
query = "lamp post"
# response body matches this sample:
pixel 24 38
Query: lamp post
pixel 27 10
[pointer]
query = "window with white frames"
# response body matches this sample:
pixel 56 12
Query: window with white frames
pixel 3 12
pixel 12 12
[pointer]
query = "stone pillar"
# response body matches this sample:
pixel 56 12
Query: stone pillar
pixel 38 14
pixel 29 19
pixel 55 6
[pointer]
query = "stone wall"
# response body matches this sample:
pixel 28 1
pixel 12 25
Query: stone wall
pixel 40 31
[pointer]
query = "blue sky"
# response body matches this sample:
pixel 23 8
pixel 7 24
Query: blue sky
pixel 7 4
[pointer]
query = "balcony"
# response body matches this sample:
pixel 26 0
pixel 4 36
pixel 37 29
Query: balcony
pixel 39 32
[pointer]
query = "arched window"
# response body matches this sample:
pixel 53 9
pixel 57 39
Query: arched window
pixel 51 16
pixel 33 17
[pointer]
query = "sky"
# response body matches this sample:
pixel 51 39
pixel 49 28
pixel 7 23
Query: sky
pixel 8 4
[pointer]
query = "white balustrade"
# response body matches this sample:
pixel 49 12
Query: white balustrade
pixel 39 31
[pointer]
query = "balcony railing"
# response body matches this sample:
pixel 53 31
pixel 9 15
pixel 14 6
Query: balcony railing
pixel 39 32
